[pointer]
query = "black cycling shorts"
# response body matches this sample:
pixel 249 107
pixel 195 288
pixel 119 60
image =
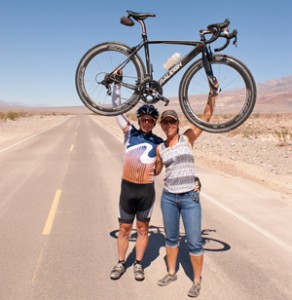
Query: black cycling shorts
pixel 136 200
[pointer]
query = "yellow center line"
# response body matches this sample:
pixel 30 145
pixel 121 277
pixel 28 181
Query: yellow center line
pixel 37 266
pixel 51 217
pixel 71 148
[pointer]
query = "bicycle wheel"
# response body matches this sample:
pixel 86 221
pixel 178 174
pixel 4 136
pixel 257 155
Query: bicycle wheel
pixel 94 82
pixel 235 101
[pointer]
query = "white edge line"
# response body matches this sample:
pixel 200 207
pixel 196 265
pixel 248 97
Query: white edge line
pixel 31 136
pixel 111 132
pixel 250 224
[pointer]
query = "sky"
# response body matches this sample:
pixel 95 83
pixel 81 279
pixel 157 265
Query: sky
pixel 42 41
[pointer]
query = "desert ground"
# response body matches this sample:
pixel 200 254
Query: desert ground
pixel 260 150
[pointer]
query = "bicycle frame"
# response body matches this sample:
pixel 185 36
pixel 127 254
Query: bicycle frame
pixel 199 48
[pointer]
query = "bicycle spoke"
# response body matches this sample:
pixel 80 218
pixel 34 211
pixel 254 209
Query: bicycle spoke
pixel 95 80
pixel 235 98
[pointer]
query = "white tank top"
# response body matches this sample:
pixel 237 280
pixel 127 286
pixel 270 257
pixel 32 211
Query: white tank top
pixel 179 167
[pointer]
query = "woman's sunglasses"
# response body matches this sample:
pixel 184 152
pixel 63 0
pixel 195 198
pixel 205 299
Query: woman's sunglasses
pixel 172 122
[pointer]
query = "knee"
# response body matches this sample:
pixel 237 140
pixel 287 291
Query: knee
pixel 172 242
pixel 142 230
pixel 195 247
pixel 124 231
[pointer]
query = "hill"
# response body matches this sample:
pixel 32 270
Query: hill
pixel 274 96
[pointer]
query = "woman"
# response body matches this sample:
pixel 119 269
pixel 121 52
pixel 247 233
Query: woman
pixel 179 197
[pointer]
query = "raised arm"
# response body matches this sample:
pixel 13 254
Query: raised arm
pixel 194 132
pixel 122 120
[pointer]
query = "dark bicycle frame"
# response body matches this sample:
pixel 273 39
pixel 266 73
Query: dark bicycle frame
pixel 178 65
pixel 200 47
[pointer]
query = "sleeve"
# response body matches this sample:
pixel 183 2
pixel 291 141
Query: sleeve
pixel 122 120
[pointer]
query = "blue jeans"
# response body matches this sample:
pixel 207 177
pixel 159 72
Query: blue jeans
pixel 175 205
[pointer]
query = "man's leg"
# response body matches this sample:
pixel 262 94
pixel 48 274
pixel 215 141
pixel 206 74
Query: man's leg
pixel 142 239
pixel 122 243
pixel 141 245
pixel 123 240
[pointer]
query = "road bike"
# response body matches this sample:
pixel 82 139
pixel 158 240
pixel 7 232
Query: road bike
pixel 97 72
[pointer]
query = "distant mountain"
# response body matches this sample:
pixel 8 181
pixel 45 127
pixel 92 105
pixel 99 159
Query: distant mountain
pixel 272 96
pixel 284 83
pixel 275 95
pixel 4 106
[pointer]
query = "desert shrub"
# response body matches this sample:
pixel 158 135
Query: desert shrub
pixel 12 115
pixel 284 136
pixel 3 116
pixel 256 115
pixel 250 129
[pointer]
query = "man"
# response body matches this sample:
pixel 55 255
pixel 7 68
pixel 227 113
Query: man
pixel 137 189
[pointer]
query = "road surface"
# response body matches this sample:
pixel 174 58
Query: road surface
pixel 58 207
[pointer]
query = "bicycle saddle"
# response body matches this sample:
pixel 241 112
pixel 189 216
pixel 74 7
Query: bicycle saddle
pixel 139 16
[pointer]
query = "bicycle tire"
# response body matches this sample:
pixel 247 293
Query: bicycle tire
pixel 99 61
pixel 235 101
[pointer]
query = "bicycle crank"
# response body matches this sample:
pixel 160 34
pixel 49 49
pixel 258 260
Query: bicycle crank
pixel 151 92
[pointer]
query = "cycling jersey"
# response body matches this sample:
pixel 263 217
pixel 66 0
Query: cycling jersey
pixel 140 156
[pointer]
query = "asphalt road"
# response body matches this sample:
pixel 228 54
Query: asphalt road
pixel 58 205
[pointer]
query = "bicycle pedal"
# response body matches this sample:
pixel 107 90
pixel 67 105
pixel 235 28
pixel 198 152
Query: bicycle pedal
pixel 162 98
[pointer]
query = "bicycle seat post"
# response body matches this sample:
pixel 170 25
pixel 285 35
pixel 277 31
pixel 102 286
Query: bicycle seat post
pixel 146 48
pixel 143 25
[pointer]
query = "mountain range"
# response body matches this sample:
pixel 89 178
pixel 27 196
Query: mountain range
pixel 273 96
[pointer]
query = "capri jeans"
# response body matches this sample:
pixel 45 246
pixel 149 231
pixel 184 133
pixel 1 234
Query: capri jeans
pixel 175 205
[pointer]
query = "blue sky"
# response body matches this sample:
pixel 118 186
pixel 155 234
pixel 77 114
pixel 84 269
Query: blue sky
pixel 42 41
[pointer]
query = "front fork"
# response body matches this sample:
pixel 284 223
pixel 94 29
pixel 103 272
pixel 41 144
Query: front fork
pixel 207 57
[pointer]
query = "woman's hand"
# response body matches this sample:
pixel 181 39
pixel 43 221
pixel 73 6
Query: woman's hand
pixel 198 185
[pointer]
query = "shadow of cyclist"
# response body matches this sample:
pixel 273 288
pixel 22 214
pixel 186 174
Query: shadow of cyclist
pixel 209 245
pixel 156 241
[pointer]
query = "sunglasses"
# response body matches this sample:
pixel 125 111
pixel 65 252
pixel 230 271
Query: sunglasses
pixel 147 120
pixel 172 122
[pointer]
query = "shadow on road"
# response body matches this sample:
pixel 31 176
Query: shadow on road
pixel 156 241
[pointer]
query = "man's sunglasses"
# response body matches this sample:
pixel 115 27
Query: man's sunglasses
pixel 147 120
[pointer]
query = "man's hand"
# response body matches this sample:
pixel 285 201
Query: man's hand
pixel 118 75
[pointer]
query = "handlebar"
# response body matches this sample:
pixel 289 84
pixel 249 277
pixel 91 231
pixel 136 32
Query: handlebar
pixel 219 30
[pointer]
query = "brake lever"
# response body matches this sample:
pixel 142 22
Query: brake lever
pixel 234 35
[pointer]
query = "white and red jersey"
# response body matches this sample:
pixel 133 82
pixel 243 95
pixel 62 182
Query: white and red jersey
pixel 140 156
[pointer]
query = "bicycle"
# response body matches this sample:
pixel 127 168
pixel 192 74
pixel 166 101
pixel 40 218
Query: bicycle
pixel 236 95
